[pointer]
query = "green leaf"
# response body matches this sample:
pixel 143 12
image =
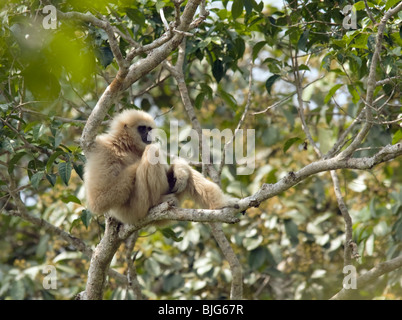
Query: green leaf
pixel 104 55
pixel 292 231
pixel 326 62
pixel 302 43
pixel 240 47
pixel 42 246
pixel 65 171
pixel 217 70
pixel 86 216
pixel 36 179
pixel 136 16
pixel 252 243
pixel 172 282
pixel 152 266
pixel 17 291
pixel 397 229
pixel 257 258
pixel 303 67
pixel 228 98
pixel 354 93
pixel 271 80
pixel 70 198
pixel 237 8
pixel 199 100
pixel 79 168
pixel 257 48
pixel 51 178
pixel 51 160
pixel 170 234
pixel 332 92
pixel 290 142
pixel 14 161
pixel 391 3
pixel 397 136
pixel 371 42
pixel 8 145
pixel 75 223
pixel 359 6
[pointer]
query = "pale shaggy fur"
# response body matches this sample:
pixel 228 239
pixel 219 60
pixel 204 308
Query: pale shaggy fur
pixel 119 179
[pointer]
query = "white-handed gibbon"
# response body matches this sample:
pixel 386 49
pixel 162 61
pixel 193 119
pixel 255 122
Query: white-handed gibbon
pixel 120 180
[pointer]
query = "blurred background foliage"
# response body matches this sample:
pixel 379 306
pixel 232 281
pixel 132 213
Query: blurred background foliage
pixel 291 247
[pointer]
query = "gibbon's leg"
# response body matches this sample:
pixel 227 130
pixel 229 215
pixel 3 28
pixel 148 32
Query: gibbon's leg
pixel 150 185
pixel 190 183
pixel 178 175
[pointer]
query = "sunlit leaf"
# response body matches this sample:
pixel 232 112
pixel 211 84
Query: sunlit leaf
pixel 397 136
pixel 331 92
pixel 290 142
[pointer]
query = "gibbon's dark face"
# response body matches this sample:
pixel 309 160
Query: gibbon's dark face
pixel 144 133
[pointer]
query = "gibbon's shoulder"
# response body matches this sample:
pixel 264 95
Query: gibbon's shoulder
pixel 103 145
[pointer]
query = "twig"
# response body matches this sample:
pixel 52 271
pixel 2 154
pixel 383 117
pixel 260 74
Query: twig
pixel 132 281
pixel 164 21
pixel 242 118
pixel 369 12
pixel 299 90
pixel 346 217
pixel 276 104
pixel 386 81
pixel 114 46
pixel 236 289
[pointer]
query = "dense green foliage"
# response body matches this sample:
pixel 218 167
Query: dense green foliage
pixel 289 247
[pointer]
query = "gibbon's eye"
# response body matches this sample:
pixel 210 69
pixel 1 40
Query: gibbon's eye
pixel 143 131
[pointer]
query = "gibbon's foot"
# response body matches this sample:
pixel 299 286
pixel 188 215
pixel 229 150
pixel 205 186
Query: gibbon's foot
pixel 171 179
pixel 230 202
pixel 178 175
pixel 171 199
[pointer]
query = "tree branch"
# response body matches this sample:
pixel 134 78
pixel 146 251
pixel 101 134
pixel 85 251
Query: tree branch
pixel 369 277
pixel 100 261
pixel 267 191
pixel 126 77
pixel 346 217
pixel 216 228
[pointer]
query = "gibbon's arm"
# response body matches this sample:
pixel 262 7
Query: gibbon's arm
pixel 107 192
pixel 107 182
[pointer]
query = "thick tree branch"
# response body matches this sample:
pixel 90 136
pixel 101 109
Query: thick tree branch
pixel 100 261
pixel 369 277
pixel 267 191
pixel 236 289
pixel 77 243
